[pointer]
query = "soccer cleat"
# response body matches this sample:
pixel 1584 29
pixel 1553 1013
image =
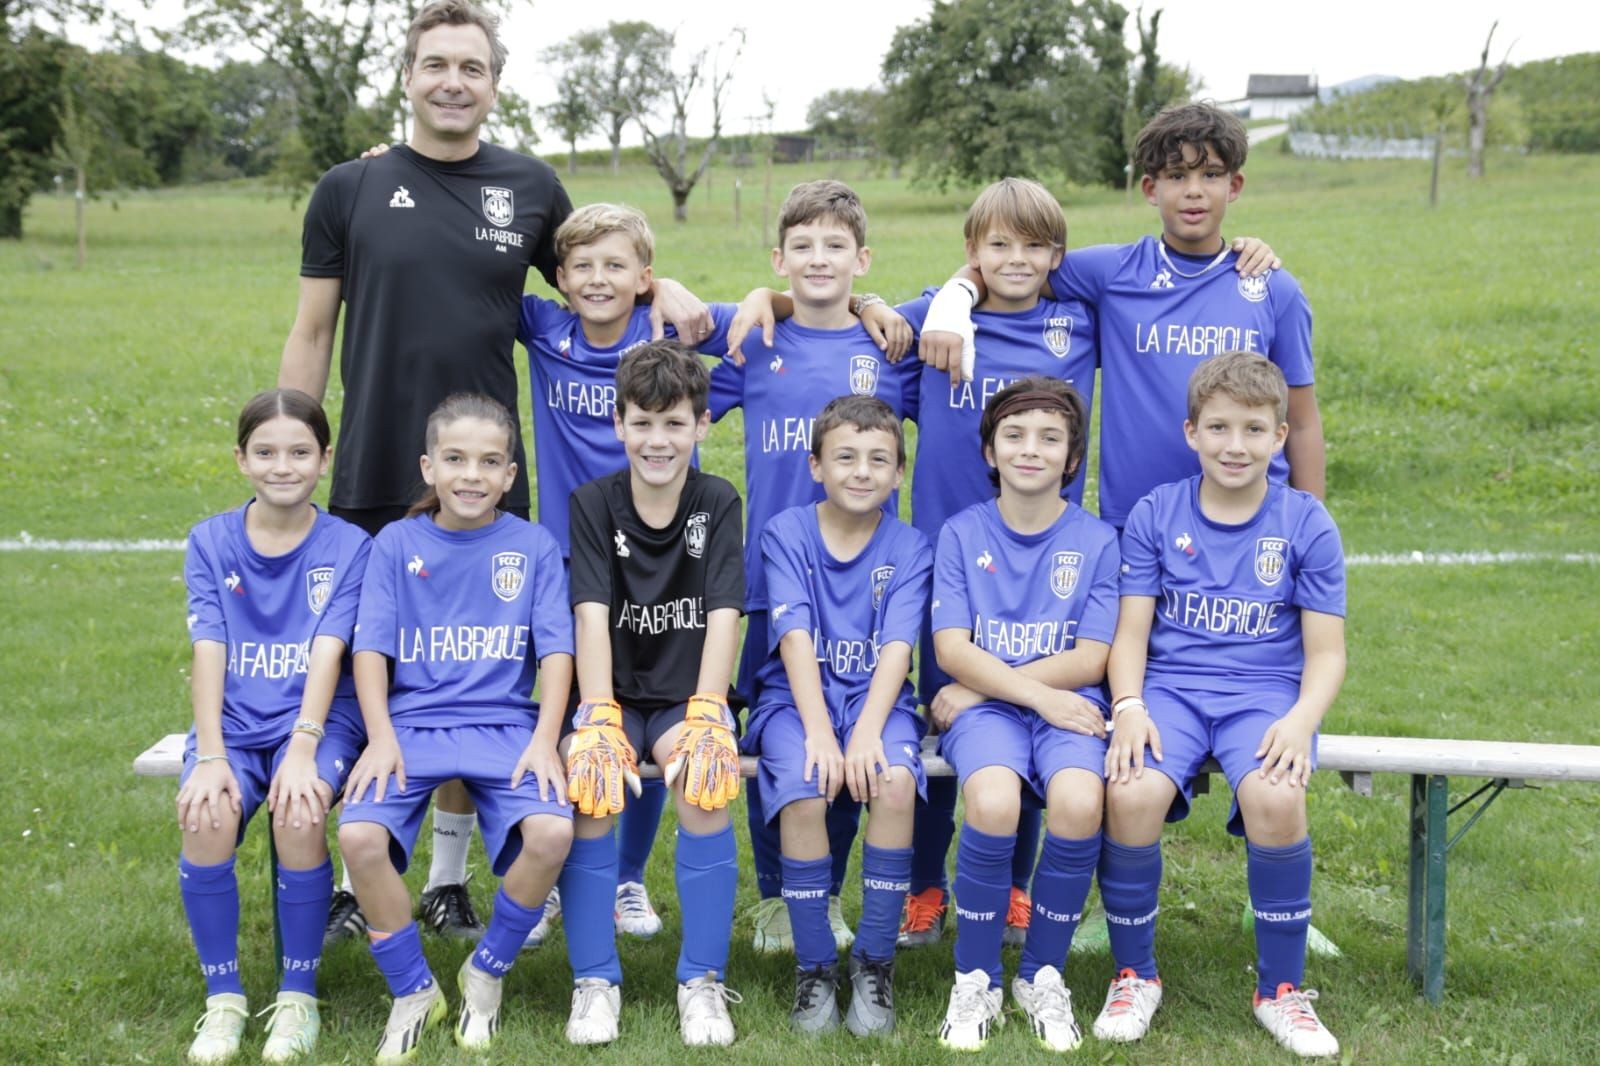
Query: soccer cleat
pixel 974 1009
pixel 345 920
pixel 480 1007
pixel 1289 1017
pixel 596 1004
pixel 220 1028
pixel 547 922
pixel 1130 1004
pixel 924 919
pixel 1048 1005
pixel 703 1011
pixel 1018 914
pixel 409 1018
pixel 816 1000
pixel 447 910
pixel 842 936
pixel 292 1027
pixel 871 1010
pixel 634 914
pixel 773 936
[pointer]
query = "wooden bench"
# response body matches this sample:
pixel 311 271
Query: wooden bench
pixel 1429 762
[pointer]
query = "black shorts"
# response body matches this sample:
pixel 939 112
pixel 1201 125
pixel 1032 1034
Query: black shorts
pixel 642 728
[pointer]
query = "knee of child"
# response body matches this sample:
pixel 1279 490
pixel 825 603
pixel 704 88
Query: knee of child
pixel 1274 811
pixel 897 792
pixel 363 844
pixel 547 836
pixel 1075 813
pixel 993 809
pixel 698 820
pixel 305 844
pixel 805 812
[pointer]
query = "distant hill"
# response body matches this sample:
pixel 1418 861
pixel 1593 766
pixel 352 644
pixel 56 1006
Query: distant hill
pixel 1545 106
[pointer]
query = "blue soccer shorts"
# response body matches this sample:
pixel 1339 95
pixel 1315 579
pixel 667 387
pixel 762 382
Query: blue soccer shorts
pixel 779 737
pixel 996 733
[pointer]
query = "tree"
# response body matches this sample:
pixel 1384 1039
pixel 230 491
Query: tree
pixel 1107 81
pixel 1155 86
pixel 572 115
pixel 1480 86
pixel 848 118
pixel 510 123
pixel 621 71
pixel 669 150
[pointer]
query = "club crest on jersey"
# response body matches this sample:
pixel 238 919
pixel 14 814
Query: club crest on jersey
pixel 1254 289
pixel 497 205
pixel 694 533
pixel 880 584
pixel 319 587
pixel 1271 553
pixel 1064 574
pixel 1058 336
pixel 508 570
pixel 864 375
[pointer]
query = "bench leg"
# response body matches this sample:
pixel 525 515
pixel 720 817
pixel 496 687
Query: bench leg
pixel 272 901
pixel 1425 926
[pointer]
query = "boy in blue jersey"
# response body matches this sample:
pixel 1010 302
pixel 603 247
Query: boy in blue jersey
pixel 820 353
pixel 1165 303
pixel 847 586
pixel 657 588
pixel 462 602
pixel 1024 606
pixel 1230 644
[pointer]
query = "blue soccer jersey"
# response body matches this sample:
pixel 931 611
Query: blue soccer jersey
pixel 1160 313
pixel 1054 339
pixel 1026 596
pixel 851 608
pixel 1228 598
pixel 465 616
pixel 782 390
pixel 574 387
pixel 268 609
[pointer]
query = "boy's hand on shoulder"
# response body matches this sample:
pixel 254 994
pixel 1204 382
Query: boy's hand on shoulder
pixel 687 313
pixel 380 758
pixel 1125 747
pixel 1255 256
pixel 946 340
pixel 541 759
pixel 889 330
pixel 1286 749
pixel 949 702
pixel 1070 711
pixel 200 798
pixel 824 758
pixel 375 151
pixel 864 763
pixel 755 312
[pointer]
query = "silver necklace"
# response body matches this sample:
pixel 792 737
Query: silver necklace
pixel 1167 259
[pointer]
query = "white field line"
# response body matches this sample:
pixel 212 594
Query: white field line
pixel 25 543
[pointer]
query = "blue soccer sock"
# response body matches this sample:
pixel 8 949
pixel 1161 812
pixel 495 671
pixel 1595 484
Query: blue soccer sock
pixel 1060 886
pixel 805 891
pixel 983 891
pixel 766 850
pixel 508 930
pixel 399 958
pixel 1280 895
pixel 211 900
pixel 1030 823
pixel 588 903
pixel 707 877
pixel 1130 884
pixel 933 827
pixel 303 897
pixel 885 877
pixel 844 821
pixel 637 828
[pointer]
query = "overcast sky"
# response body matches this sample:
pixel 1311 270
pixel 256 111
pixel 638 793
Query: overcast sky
pixel 796 51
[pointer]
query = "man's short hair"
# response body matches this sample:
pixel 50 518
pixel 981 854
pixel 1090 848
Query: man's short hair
pixel 811 200
pixel 1245 377
pixel 456 13
pixel 655 376
pixel 1018 207
pixel 593 221
pixel 1040 393
pixel 865 413
pixel 1160 144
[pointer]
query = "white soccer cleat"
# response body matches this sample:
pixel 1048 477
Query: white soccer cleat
pixel 973 1011
pixel 842 936
pixel 596 1005
pixel 1130 1004
pixel 409 1018
pixel 1048 1005
pixel 703 1012
pixel 1293 1022
pixel 292 1027
pixel 480 1007
pixel 547 922
pixel 220 1028
pixel 635 916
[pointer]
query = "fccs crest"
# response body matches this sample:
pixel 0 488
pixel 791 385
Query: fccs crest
pixel 508 571
pixel 319 587
pixel 1058 336
pixel 498 206
pixel 864 375
pixel 1271 554
pixel 880 584
pixel 1064 574
pixel 1253 289
pixel 694 533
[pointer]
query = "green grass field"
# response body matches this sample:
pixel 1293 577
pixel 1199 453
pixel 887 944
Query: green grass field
pixel 1460 389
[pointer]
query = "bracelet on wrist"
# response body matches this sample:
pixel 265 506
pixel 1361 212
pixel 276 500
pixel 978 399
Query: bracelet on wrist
pixel 306 725
pixel 1128 701
pixel 865 300
pixel 198 759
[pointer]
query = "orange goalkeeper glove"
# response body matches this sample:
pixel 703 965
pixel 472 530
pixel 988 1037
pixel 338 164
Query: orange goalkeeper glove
pixel 600 760
pixel 707 750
